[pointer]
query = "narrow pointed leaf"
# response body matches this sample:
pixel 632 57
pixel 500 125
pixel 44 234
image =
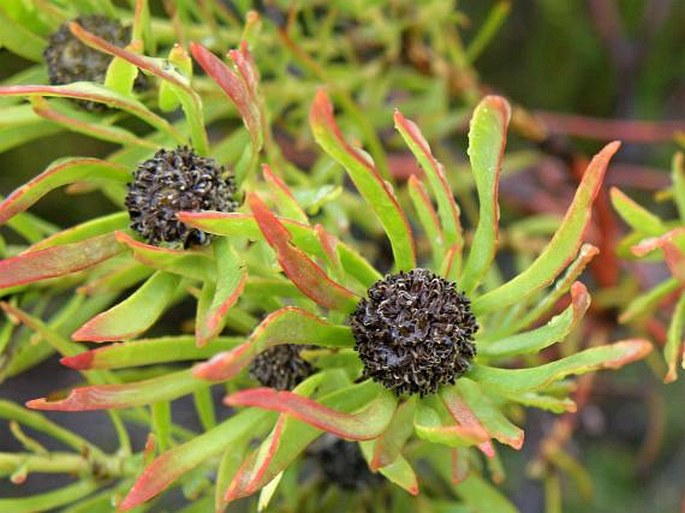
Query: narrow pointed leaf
pixel 286 202
pixel 538 339
pixel 49 501
pixel 672 244
pixel 649 300
pixel 678 178
pixel 148 352
pixel 388 447
pixel 288 325
pixel 303 236
pixel 191 264
pixel 290 437
pixel 491 418
pixel 482 497
pixel 518 381
pixel 98 226
pixel 563 246
pixel 429 426
pixel 59 173
pixel 487 139
pixel 638 218
pixel 135 314
pixel 435 172
pixel 366 178
pixel 366 424
pixel 92 92
pixel 428 218
pixel 305 273
pixel 241 89
pixel 104 397
pixel 675 339
pixel 57 261
pixel 399 471
pixel 232 275
pixel 173 464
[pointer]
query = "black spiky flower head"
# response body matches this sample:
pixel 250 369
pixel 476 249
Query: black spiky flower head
pixel 173 181
pixel 343 464
pixel 281 367
pixel 69 60
pixel 414 332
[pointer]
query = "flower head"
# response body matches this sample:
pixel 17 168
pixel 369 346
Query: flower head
pixel 281 367
pixel 414 332
pixel 343 464
pixel 69 60
pixel 173 181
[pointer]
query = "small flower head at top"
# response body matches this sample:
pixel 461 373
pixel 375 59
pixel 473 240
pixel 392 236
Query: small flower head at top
pixel 70 60
pixel 414 332
pixel 173 181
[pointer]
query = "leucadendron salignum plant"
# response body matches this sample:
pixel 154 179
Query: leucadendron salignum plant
pixel 664 240
pixel 428 353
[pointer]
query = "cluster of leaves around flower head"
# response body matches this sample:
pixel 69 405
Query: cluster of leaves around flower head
pixel 414 332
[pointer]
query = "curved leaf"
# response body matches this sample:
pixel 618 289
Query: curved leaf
pixel 538 339
pixel 288 325
pixel 59 173
pixel 429 426
pixel 563 246
pixel 487 139
pixel 140 393
pixel 57 261
pixel 173 464
pixel 366 424
pixel 510 382
pixel 133 315
pixel 303 272
pixel 148 352
pixel 366 178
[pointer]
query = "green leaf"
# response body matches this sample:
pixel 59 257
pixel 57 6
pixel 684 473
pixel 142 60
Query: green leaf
pixel 18 39
pixel 104 397
pixel 366 178
pixel 284 199
pixel 385 449
pixel 195 265
pixel 93 228
pixel 399 471
pixel 538 339
pixel 288 325
pixel 510 382
pixel 490 417
pixel 59 173
pixel 649 300
pixel 427 217
pixel 148 351
pixel 56 261
pixel 430 425
pixel 303 236
pixel 170 466
pixel 675 338
pixel 189 99
pixel 133 315
pixel 435 172
pixel 92 92
pixel 678 177
pixel 563 246
pixel 223 293
pixel 487 139
pixel 638 218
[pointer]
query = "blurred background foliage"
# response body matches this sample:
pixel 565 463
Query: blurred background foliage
pixel 589 71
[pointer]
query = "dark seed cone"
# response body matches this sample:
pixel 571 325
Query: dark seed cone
pixel 69 60
pixel 281 367
pixel 173 181
pixel 414 332
pixel 343 464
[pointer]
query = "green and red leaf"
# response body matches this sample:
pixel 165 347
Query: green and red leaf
pixel 371 186
pixel 59 173
pixel 487 139
pixel 301 269
pixel 57 261
pixel 135 314
pixel 563 246
pixel 288 325
pixel 366 424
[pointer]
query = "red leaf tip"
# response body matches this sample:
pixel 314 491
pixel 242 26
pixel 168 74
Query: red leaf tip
pixel 82 361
